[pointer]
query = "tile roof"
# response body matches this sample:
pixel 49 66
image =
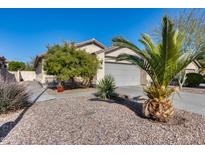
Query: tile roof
pixel 91 41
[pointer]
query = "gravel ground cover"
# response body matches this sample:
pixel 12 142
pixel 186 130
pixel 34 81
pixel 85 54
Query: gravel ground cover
pixel 86 120
pixel 7 122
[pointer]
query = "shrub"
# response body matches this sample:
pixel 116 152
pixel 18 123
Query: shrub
pixel 106 87
pixel 16 65
pixel 12 97
pixel 66 62
pixel 193 79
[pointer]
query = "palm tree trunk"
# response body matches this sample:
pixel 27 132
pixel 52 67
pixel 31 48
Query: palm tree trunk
pixel 160 110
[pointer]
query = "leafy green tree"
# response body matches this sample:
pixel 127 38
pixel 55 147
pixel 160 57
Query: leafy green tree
pixel 67 62
pixel 162 61
pixel 16 65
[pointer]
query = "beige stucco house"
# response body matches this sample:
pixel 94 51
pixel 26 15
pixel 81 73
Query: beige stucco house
pixel 124 73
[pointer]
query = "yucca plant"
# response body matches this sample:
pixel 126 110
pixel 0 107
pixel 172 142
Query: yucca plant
pixel 162 62
pixel 106 87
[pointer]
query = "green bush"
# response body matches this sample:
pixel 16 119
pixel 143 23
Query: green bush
pixel 194 79
pixel 106 87
pixel 66 62
pixel 12 97
pixel 16 65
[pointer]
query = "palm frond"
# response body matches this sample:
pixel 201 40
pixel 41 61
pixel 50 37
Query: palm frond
pixel 121 42
pixel 143 64
pixel 162 61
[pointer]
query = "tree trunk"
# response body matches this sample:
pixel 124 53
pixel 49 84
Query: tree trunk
pixel 72 83
pixel 90 81
pixel 181 79
pixel 160 110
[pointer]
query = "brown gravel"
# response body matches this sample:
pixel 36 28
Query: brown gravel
pixel 7 122
pixel 83 120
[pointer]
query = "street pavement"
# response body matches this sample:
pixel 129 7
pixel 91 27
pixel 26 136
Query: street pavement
pixel 187 101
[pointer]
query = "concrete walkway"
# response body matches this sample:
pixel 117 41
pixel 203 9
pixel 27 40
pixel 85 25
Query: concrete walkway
pixel 40 94
pixel 75 93
pixel 37 92
pixel 186 100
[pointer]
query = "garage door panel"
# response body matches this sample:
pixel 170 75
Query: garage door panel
pixel 124 75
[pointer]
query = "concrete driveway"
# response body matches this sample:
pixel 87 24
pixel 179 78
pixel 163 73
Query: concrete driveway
pixel 37 92
pixel 186 100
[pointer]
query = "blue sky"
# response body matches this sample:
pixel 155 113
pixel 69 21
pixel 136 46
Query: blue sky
pixel 24 33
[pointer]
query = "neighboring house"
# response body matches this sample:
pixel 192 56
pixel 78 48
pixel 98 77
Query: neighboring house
pixel 193 67
pixel 124 73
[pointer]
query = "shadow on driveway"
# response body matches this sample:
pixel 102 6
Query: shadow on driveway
pixel 8 126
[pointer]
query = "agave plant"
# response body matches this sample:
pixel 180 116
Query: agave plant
pixel 106 87
pixel 162 62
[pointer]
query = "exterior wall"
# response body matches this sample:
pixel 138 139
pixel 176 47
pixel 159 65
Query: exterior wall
pixel 115 53
pixel 39 73
pixel 48 78
pixel 24 75
pixel 101 70
pixel 44 77
pixel 144 77
pixel 119 51
pixel 28 75
pixel 16 74
pixel 90 48
pixel 43 73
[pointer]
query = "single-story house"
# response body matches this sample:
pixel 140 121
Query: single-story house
pixel 124 73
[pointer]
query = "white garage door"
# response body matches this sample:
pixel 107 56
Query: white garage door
pixel 124 74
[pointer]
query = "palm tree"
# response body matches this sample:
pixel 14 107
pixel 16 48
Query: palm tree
pixel 162 62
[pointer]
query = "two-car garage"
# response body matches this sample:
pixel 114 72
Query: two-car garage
pixel 124 74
